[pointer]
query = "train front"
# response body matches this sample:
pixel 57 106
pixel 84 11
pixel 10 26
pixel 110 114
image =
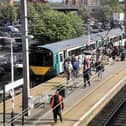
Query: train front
pixel 41 63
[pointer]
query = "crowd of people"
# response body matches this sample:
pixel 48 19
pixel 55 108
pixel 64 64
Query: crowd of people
pixel 73 65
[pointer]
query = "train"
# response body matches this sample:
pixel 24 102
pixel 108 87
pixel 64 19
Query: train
pixel 47 60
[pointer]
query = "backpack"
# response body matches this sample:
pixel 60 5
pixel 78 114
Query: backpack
pixel 75 65
pixel 54 101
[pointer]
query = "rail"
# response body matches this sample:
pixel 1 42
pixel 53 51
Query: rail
pixel 115 109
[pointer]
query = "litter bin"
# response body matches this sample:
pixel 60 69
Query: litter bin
pixel 61 89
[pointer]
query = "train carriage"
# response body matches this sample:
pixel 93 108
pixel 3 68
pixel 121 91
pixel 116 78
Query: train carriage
pixel 47 60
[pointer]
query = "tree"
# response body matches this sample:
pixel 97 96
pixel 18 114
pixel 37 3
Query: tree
pixel 9 12
pixel 57 26
pixel 51 26
pixel 85 13
pixel 115 5
pixel 103 14
pixel 76 22
pixel 36 24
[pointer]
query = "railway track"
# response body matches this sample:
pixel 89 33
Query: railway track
pixel 118 115
pixel 114 113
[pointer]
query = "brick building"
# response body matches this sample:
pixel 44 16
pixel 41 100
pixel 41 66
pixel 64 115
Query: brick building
pixel 79 3
pixel 42 1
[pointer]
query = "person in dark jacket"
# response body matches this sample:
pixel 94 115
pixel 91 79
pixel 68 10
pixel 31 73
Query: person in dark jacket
pixel 57 105
pixel 86 72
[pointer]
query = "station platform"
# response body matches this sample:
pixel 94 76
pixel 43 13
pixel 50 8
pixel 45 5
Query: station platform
pixel 81 104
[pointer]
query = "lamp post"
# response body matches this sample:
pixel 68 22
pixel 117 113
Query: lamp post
pixel 26 76
pixel 12 81
pixel 125 17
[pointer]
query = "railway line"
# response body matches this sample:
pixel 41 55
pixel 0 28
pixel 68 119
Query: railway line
pixel 82 105
pixel 113 113
pixel 118 115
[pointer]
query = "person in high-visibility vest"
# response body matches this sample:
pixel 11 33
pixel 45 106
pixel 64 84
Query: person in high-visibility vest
pixel 57 105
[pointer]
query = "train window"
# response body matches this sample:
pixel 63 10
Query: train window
pixel 61 57
pixel 40 59
pixel 92 46
pixel 75 52
pixel 114 39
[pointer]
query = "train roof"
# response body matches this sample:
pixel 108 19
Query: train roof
pixel 84 39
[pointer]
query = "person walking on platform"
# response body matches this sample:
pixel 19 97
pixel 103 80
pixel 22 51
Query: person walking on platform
pixel 99 68
pixel 68 69
pixel 86 71
pixel 57 105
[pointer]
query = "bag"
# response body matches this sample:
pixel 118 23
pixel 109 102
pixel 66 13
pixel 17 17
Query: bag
pixel 75 65
pixel 56 100
pixel 102 67
pixel 86 72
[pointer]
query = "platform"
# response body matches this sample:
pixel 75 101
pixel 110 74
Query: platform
pixel 81 104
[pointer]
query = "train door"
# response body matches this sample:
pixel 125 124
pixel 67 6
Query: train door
pixel 61 60
pixel 65 54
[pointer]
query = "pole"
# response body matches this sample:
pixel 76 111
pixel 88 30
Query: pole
pixel 12 80
pixel 26 88
pixel 125 17
pixel 4 106
pixel 89 35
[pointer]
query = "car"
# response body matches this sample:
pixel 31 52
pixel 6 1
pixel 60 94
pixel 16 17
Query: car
pixel 5 42
pixel 5 64
pixel 94 29
pixel 2 71
pixel 12 28
pixel 9 29
pixel 4 34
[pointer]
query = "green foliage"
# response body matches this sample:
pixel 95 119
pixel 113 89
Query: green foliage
pixel 85 13
pixel 41 8
pixel 114 5
pixel 57 27
pixel 8 12
pixel 76 23
pixel 105 12
pixel 51 26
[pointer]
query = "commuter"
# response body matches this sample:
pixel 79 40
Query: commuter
pixel 75 65
pixel 110 60
pixel 122 55
pixel 99 68
pixel 68 69
pixel 80 65
pixel 57 105
pixel 86 71
pixel 92 63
